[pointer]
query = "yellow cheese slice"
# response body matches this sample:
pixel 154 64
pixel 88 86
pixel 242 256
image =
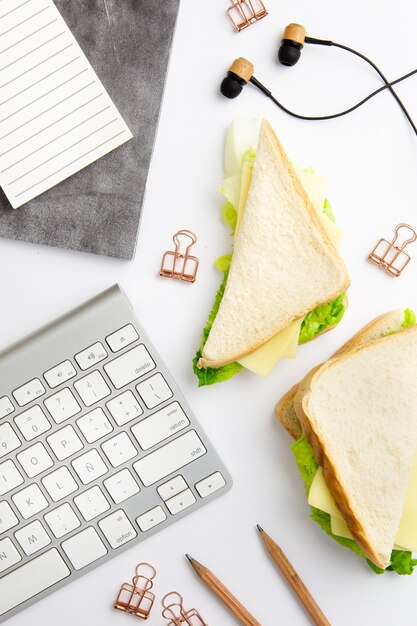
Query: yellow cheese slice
pixel 292 348
pixel 320 498
pixel 315 186
pixel 334 232
pixel 262 360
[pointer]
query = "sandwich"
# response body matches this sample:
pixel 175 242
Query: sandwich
pixel 354 419
pixel 284 282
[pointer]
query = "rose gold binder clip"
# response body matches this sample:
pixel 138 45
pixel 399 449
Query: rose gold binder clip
pixel 179 265
pixel 136 598
pixel 243 13
pixel 175 613
pixel 390 255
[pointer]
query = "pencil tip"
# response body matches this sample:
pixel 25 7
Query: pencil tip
pixel 190 558
pixel 261 530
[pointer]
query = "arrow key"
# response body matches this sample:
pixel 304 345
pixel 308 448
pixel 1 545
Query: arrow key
pixel 181 501
pixel 151 518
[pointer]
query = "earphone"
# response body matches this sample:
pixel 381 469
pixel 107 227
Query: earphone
pixel 295 36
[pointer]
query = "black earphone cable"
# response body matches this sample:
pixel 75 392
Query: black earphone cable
pixel 268 93
pixel 373 65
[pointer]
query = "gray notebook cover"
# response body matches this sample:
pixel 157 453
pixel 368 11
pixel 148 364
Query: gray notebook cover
pixel 98 210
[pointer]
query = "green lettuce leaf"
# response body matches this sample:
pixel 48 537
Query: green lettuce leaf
pixel 409 318
pixel 327 210
pixel 210 375
pixel 320 318
pixel 229 215
pixel 401 560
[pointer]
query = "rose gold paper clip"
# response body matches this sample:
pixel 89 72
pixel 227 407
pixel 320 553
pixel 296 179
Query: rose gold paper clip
pixel 390 255
pixel 176 614
pixel 136 598
pixel 243 13
pixel 176 264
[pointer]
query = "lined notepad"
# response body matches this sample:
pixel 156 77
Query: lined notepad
pixel 55 115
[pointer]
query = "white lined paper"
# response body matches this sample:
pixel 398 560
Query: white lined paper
pixel 55 115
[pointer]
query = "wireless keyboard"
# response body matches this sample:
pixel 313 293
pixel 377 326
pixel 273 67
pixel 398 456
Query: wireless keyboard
pixel 98 449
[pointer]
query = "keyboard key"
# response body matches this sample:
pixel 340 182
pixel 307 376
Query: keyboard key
pixel 210 484
pixel 124 408
pixel 151 518
pixel 94 425
pixel 154 391
pixel 89 467
pixel 65 443
pixel 161 425
pixel 117 529
pixel 35 460
pixel 28 392
pixel 92 388
pixel 129 366
pixel 91 356
pixel 6 407
pixel 181 501
pixel 122 338
pixel 170 458
pixel 91 503
pixel 10 477
pixel 32 423
pixel 119 449
pixel 39 574
pixel 59 484
pixel 62 405
pixel 121 486
pixel 8 556
pixel 7 518
pixel 32 538
pixel 84 548
pixel 172 487
pixel 60 374
pixel 30 501
pixel 62 520
pixel 9 441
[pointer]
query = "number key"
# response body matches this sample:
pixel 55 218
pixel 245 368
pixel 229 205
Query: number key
pixel 32 423
pixel 8 440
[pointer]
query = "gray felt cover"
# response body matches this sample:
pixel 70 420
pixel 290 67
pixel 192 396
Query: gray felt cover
pixel 98 209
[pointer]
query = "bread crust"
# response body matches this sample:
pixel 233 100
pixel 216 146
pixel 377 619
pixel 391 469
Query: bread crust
pixel 323 458
pixel 285 411
pixel 325 240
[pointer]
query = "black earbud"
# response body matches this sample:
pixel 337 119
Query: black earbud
pixel 238 75
pixel 295 36
pixel 291 45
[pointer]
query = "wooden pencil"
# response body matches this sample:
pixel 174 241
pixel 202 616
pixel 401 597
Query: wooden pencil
pixel 294 580
pixel 223 593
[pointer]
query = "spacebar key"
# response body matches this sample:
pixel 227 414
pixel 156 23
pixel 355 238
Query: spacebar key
pixel 170 458
pixel 30 579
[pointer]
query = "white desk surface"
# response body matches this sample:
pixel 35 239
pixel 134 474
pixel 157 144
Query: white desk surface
pixel 370 160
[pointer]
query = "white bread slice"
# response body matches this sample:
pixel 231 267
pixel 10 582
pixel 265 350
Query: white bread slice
pixel 283 265
pixel 359 414
pixel 378 327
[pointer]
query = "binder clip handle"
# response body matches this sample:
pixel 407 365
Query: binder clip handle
pixel 412 237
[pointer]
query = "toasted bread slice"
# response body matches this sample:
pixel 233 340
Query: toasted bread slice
pixel 359 414
pixel 379 327
pixel 283 265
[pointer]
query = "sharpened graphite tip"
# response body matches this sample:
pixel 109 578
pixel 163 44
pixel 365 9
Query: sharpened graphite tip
pixel 261 530
pixel 190 558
